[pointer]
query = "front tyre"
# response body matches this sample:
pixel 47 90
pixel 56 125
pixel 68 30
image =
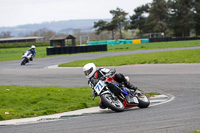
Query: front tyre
pixel 23 61
pixel 113 103
pixel 143 101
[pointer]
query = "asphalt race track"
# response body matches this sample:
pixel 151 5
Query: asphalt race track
pixel 181 115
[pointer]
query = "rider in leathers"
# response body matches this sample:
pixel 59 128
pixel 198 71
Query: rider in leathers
pixel 92 74
pixel 33 52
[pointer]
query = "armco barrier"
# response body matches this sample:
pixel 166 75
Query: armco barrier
pixel 166 39
pixel 75 49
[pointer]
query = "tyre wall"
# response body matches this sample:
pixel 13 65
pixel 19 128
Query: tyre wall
pixel 75 49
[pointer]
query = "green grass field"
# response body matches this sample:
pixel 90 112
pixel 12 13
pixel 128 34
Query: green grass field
pixel 182 56
pixel 21 102
pixel 16 53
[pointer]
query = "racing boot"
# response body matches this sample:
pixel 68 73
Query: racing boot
pixel 130 86
pixel 101 105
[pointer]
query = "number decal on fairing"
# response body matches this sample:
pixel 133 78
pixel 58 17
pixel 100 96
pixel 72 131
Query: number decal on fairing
pixel 99 87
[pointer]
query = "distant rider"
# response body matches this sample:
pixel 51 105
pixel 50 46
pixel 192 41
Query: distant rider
pixel 92 73
pixel 33 52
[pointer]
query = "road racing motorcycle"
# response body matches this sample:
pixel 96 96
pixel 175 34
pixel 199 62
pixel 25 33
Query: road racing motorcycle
pixel 26 57
pixel 116 96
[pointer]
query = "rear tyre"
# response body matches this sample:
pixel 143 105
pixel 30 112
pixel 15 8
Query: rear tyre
pixel 143 101
pixel 113 103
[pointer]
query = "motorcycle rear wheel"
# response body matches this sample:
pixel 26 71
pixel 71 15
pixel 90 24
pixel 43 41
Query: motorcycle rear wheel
pixel 113 103
pixel 143 101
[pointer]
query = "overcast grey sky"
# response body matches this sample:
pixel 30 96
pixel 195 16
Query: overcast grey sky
pixel 18 12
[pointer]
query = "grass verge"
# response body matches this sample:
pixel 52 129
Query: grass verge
pixel 22 102
pixel 156 45
pixel 182 56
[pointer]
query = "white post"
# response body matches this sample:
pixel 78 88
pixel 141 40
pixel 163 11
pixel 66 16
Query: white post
pixel 80 41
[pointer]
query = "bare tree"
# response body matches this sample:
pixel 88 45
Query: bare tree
pixel 6 34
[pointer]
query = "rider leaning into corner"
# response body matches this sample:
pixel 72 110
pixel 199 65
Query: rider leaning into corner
pixel 33 52
pixel 92 74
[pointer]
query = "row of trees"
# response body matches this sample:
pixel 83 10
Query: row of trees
pixel 177 18
pixel 5 34
pixel 47 34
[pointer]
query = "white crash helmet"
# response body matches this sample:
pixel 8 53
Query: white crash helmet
pixel 33 47
pixel 89 69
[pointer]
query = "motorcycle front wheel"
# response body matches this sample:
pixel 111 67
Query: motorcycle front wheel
pixel 23 61
pixel 112 102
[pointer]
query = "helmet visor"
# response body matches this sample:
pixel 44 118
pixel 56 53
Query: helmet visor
pixel 87 72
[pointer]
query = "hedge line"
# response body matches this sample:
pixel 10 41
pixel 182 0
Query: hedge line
pixel 23 44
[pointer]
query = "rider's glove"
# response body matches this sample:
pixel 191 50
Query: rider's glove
pixel 94 81
pixel 90 84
